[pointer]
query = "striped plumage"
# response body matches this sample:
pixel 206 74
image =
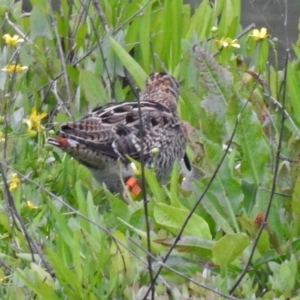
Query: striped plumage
pixel 104 138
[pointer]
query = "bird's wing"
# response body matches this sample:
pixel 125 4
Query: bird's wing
pixel 115 130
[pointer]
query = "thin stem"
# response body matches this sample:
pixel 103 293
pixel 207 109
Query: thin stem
pixel 274 183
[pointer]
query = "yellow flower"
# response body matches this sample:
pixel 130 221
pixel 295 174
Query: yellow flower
pixel 34 120
pixel 14 68
pixel 31 206
pixel 12 40
pixel 228 42
pixel 14 181
pixel 259 34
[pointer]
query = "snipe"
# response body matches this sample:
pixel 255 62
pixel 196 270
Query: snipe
pixel 105 137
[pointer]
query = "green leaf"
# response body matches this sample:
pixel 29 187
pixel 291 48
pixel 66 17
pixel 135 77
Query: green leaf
pixel 62 226
pixel 263 245
pixel 175 18
pixel 5 222
pixel 172 219
pixel 215 79
pixel 66 276
pixel 219 7
pixel 248 225
pixel 92 88
pixel 199 21
pixel 144 36
pixel 135 70
pixel 263 55
pixel 230 10
pixel 292 84
pixel 225 195
pixel 119 208
pixel 250 137
pixel 284 276
pixel 80 36
pixel 39 25
pixel 213 208
pixel 270 255
pixel 190 244
pixel 154 185
pixel 296 208
pixel 76 254
pixel 41 288
pixel 174 186
pixel 226 188
pixel 44 5
pixel 143 235
pixel 121 256
pixel 229 247
pixel 73 73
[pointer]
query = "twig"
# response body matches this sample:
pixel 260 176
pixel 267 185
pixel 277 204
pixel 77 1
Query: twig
pixel 60 102
pixel 286 114
pixel 274 184
pixel 16 216
pixel 77 213
pixel 276 193
pixel 101 53
pixel 201 197
pixel 246 30
pixel 145 202
pixel 15 27
pixel 93 48
pixel 61 54
pixel 131 83
pixel 163 265
pixel 101 15
pixel 130 18
pixel 5 265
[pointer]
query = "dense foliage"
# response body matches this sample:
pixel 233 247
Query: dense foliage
pixel 63 236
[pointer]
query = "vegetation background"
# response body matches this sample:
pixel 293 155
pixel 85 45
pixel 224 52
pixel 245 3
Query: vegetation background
pixel 229 230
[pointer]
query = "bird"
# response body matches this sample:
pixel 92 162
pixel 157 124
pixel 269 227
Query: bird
pixel 107 137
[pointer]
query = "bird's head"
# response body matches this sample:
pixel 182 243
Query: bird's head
pixel 163 89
